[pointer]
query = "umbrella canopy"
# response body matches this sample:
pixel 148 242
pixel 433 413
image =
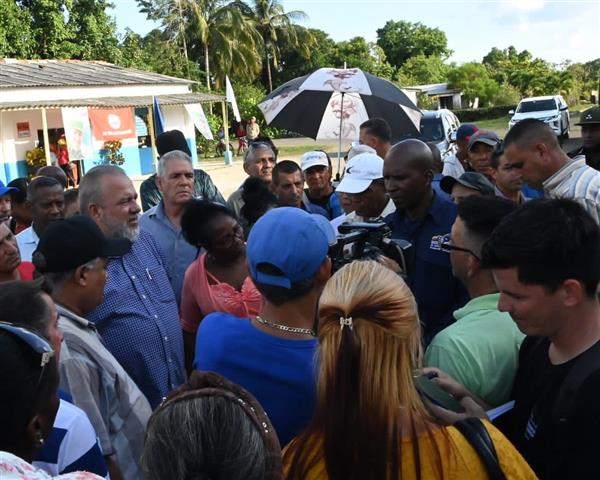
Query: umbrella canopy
pixel 332 103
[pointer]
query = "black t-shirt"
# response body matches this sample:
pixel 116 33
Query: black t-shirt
pixel 533 431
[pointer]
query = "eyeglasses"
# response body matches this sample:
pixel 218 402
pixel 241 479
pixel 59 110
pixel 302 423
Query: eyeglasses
pixel 39 345
pixel 443 244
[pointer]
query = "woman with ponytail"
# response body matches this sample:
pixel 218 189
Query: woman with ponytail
pixel 370 422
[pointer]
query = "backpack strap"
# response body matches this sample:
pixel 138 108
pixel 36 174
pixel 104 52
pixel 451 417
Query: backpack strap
pixel 586 364
pixel 477 435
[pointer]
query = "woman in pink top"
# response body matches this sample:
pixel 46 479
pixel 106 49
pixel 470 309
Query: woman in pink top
pixel 217 281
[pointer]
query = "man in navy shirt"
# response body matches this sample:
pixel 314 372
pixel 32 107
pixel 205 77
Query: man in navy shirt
pixel 421 218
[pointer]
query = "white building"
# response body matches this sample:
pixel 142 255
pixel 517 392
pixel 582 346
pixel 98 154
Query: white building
pixel 32 93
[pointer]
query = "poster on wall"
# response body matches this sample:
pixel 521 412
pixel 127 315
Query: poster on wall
pixel 77 133
pixel 199 119
pixel 23 130
pixel 112 123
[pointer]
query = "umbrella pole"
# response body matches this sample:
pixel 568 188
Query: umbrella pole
pixel 337 176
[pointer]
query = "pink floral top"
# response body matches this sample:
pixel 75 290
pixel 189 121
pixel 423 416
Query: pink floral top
pixel 200 297
pixel 13 468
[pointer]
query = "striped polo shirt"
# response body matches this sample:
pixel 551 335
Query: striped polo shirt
pixel 579 182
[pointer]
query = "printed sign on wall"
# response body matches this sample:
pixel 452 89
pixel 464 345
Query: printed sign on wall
pixel 77 133
pixel 112 123
pixel 23 130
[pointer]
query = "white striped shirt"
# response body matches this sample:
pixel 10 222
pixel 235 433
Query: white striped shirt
pixel 579 182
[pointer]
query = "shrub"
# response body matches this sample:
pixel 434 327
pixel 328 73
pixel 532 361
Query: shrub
pixel 470 115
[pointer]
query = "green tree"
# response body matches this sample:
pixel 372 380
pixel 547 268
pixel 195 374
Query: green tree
pixel 15 31
pixel 423 70
pixel 156 53
pixel 93 33
pixel 367 56
pixel 50 35
pixel 402 40
pixel 61 29
pixel 216 32
pixel 293 63
pixel 475 82
pixel 277 27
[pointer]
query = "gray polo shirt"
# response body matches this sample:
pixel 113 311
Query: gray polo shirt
pixel 99 386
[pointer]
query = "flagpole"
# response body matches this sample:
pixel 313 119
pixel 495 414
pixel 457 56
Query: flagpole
pixel 339 160
pixel 228 159
pixel 152 139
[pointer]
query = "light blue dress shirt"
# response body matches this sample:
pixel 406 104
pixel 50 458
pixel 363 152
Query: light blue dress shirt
pixel 178 253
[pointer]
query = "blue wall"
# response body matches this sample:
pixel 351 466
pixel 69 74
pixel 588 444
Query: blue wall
pixel 138 162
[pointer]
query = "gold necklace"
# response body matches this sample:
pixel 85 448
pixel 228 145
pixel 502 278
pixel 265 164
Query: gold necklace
pixel 285 328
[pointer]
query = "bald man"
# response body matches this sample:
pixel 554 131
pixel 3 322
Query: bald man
pixel 422 217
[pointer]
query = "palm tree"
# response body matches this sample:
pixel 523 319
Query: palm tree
pixel 277 27
pixel 217 31
pixel 228 38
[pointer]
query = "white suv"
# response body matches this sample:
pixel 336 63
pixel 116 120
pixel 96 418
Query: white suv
pixel 552 110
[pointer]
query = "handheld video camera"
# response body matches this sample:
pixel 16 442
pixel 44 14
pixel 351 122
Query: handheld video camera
pixel 368 240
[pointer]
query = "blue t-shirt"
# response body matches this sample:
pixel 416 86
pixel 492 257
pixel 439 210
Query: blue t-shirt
pixel 437 292
pixel 279 372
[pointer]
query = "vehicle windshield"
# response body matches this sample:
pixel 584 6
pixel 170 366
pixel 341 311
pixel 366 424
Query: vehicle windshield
pixel 431 130
pixel 536 106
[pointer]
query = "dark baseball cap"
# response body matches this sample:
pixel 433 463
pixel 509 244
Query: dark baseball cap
pixel 172 140
pixel 484 136
pixel 465 131
pixel 591 116
pixel 473 180
pixel 70 243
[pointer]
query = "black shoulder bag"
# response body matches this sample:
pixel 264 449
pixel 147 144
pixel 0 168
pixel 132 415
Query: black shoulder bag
pixel 477 435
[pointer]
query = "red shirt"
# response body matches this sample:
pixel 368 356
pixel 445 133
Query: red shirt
pixel 26 270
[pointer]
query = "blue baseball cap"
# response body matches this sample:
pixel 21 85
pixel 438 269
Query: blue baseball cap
pixel 291 240
pixel 4 189
pixel 466 130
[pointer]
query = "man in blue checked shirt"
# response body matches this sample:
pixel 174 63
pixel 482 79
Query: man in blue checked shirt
pixel 138 318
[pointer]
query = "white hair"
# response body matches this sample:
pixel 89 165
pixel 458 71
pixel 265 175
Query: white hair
pixel 161 170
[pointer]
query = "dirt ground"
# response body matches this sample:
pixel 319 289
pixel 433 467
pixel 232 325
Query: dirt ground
pixel 228 178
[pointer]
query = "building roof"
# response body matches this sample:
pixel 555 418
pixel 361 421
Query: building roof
pixel 114 102
pixel 66 73
pixel 436 89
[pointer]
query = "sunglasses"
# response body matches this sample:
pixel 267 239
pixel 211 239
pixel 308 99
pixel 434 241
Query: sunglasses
pixel 36 343
pixel 443 243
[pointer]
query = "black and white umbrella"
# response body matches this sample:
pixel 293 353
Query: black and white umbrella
pixel 333 102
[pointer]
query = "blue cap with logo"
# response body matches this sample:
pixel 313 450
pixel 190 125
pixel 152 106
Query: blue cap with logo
pixel 289 239
pixel 4 189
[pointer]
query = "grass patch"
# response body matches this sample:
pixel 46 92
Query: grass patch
pixel 498 125
pixel 286 151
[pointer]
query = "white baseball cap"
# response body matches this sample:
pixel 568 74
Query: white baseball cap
pixel 358 149
pixel 360 172
pixel 313 159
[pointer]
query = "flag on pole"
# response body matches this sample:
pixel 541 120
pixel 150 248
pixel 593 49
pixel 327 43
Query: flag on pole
pixel 231 99
pixel 159 122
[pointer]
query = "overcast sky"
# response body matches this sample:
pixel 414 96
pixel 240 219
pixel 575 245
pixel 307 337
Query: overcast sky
pixel 553 30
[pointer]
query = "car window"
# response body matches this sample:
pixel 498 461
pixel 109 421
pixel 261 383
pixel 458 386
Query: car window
pixel 537 105
pixel 432 130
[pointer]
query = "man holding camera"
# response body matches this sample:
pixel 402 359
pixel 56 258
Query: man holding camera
pixel 421 217
pixel 363 182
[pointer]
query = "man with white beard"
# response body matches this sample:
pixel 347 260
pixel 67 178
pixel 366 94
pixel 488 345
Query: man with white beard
pixel 139 318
